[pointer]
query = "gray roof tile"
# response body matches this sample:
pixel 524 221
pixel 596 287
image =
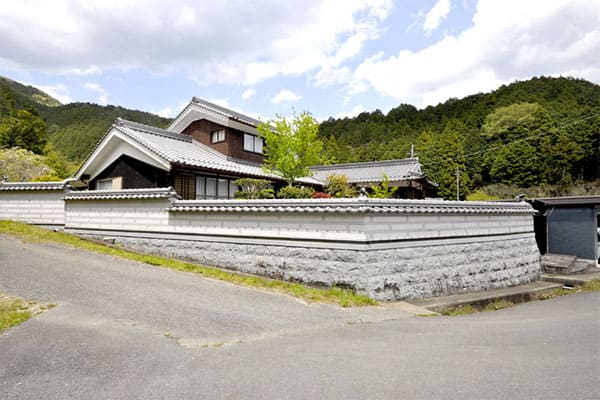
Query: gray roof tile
pixel 182 149
pixel 372 172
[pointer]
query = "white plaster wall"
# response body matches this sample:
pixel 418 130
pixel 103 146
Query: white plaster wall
pixel 147 215
pixel 39 207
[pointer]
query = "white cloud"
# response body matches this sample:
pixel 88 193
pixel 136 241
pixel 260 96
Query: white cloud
pixel 435 16
pixel 285 95
pixel 166 112
pixel 59 92
pixel 508 40
pixel 232 42
pixel 102 94
pixel 248 93
pixel 352 113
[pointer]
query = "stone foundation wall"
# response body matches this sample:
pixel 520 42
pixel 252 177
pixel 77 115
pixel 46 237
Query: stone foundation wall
pixel 392 274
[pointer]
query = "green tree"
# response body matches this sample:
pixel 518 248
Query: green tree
pixel 291 147
pixel 7 102
pixel 442 155
pixel 338 186
pixel 24 129
pixel 529 148
pixel 383 190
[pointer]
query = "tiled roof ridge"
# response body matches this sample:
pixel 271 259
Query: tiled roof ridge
pixel 377 206
pixel 155 193
pixel 151 129
pixel 55 185
pixel 225 111
pixel 403 161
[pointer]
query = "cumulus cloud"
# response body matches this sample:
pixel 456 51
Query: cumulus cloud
pixel 59 92
pixel 285 95
pixel 102 94
pixel 231 42
pixel 435 16
pixel 352 113
pixel 248 93
pixel 508 40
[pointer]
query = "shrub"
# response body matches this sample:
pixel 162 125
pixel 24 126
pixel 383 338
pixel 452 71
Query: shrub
pixel 254 189
pixel 321 195
pixel 383 190
pixel 295 192
pixel 338 186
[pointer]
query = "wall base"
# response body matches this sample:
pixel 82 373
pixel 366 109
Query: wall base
pixel 420 271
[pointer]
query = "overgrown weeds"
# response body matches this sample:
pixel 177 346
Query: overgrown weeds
pixel 342 297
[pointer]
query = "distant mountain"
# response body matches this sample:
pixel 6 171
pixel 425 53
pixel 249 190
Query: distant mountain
pixel 75 128
pixel 28 94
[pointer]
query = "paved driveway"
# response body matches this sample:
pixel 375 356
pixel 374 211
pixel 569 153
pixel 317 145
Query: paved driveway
pixel 125 330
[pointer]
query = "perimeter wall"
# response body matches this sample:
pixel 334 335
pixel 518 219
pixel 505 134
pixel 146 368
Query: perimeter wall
pixel 387 249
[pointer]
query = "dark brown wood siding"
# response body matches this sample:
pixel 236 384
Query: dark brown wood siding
pixel 134 173
pixel 185 186
pixel 233 146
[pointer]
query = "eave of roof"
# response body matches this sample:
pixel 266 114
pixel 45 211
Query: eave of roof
pixel 59 185
pixel 568 200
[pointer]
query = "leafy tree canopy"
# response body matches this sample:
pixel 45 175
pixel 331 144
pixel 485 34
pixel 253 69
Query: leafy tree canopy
pixel 292 146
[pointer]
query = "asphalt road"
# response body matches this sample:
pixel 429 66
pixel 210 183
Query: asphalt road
pixel 125 330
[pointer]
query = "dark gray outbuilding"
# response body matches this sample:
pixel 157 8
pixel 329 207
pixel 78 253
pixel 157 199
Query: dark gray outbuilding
pixel 568 225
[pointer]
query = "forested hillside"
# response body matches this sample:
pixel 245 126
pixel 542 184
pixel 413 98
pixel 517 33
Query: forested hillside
pixel 76 127
pixel 53 137
pixel 540 132
pixel 542 135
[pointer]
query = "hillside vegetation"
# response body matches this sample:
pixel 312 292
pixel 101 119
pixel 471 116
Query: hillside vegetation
pixel 542 134
pixel 71 129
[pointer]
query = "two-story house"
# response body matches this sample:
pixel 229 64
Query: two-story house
pixel 205 149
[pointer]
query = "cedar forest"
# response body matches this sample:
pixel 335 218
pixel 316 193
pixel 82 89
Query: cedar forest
pixel 540 137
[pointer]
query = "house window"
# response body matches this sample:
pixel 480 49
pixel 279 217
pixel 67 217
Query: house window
pixel 210 187
pixel 110 183
pixel 253 143
pixel 104 184
pixel 217 136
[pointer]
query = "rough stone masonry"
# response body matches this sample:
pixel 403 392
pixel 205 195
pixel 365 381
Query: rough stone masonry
pixel 387 249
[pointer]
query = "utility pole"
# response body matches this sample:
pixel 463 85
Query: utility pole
pixel 412 151
pixel 457 184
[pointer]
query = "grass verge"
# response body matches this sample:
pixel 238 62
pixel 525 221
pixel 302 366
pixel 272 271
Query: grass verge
pixel 342 297
pixel 15 311
pixel 465 309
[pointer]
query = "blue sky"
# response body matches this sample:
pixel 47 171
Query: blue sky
pixel 266 57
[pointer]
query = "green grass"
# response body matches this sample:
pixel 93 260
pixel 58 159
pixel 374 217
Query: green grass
pixel 342 297
pixel 465 309
pixel 591 286
pixel 15 311
pixel 12 313
pixel 498 305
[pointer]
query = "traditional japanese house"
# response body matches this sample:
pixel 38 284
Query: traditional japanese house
pixel 205 149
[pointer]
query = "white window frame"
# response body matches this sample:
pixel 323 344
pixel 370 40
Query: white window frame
pixel 217 136
pixel 253 143
pixel 116 183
